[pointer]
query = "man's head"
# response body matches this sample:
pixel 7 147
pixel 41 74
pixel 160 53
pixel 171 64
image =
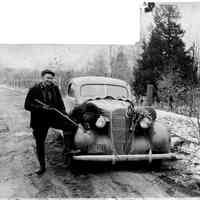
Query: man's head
pixel 47 77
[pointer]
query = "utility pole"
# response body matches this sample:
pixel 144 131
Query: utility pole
pixel 110 59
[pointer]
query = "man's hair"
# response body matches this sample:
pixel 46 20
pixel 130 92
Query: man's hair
pixel 47 71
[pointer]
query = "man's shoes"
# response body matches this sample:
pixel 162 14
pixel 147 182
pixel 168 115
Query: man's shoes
pixel 41 171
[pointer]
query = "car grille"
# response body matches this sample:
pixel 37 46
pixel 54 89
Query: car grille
pixel 119 128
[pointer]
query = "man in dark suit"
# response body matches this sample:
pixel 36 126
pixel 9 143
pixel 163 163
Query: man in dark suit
pixel 43 116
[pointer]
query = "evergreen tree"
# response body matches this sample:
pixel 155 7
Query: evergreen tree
pixel 164 53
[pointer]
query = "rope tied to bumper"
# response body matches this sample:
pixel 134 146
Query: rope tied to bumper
pixel 114 152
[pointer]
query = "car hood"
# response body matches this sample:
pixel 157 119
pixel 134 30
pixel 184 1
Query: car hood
pixel 110 105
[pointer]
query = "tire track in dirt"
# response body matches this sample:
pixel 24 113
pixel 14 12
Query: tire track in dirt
pixel 13 173
pixel 48 187
pixel 106 185
pixel 80 186
pixel 77 185
pixel 140 183
pixel 125 185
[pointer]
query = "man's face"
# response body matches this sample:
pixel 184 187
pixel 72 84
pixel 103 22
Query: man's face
pixel 48 79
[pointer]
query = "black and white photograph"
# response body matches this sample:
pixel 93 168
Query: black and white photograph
pixel 105 120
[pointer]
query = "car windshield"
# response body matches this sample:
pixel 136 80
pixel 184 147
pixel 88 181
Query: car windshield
pixel 94 90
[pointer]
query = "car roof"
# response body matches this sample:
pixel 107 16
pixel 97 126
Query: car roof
pixel 98 80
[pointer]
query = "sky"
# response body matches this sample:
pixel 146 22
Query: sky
pixel 191 21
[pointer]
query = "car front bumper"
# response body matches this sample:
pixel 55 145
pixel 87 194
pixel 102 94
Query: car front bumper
pixel 116 158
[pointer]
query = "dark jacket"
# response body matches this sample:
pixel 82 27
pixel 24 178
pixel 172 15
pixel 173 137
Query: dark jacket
pixel 39 116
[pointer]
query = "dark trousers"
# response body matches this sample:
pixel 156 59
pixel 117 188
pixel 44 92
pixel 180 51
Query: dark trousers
pixel 40 133
pixel 40 136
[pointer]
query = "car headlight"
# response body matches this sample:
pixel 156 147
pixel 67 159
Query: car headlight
pixel 101 122
pixel 146 122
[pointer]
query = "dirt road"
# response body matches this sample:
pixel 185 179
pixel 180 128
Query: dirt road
pixel 18 162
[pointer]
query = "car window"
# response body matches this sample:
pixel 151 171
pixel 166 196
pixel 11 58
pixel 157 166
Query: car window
pixel 94 90
pixel 116 91
pixel 71 90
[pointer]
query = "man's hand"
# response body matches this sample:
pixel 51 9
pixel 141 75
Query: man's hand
pixel 46 107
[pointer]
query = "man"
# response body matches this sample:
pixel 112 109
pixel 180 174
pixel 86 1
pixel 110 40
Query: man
pixel 40 100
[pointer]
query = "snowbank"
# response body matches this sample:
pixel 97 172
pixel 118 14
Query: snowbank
pixel 180 125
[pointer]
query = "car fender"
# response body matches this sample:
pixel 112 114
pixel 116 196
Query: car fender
pixel 160 138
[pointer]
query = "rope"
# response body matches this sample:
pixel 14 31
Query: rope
pixel 150 155
pixel 114 152
pixel 131 136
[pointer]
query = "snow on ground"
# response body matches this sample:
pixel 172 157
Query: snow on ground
pixel 184 132
pixel 180 125
pixel 162 113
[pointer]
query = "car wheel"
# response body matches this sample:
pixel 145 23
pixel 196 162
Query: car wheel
pixel 155 165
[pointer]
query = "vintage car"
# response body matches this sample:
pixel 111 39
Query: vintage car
pixel 111 127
